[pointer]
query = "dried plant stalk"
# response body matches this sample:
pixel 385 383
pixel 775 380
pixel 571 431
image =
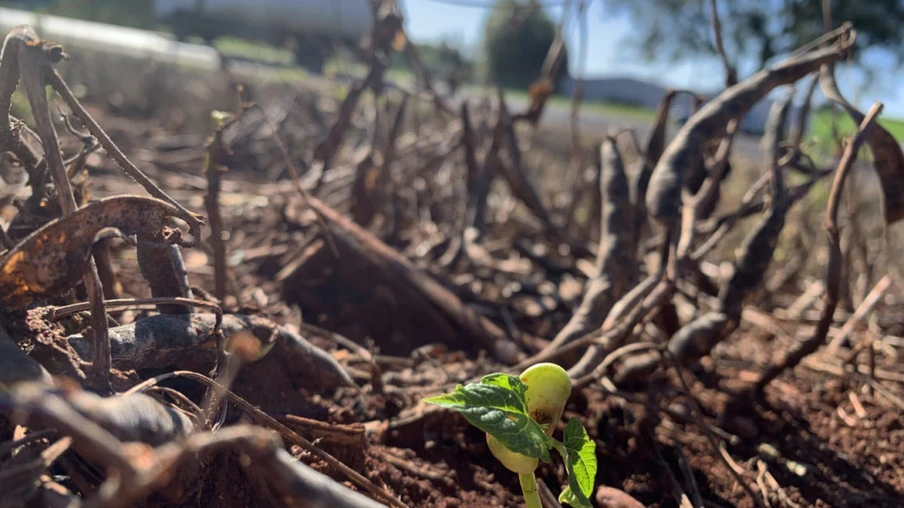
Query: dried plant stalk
pixel 614 264
pixel 214 167
pixel 33 65
pixel 698 337
pixel 686 150
pixel 888 158
pixel 830 297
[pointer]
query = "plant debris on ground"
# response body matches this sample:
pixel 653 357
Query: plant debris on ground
pixel 217 291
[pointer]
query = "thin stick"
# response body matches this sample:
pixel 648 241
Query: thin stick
pixel 195 221
pixel 124 303
pixel 731 75
pixel 34 65
pixel 884 392
pixel 830 297
pixel 839 370
pixel 215 167
pixel 822 40
pixel 634 347
pixel 642 313
pixel 707 192
pixel 866 306
pixel 301 190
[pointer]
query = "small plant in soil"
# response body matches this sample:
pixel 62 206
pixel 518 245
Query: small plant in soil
pixel 519 415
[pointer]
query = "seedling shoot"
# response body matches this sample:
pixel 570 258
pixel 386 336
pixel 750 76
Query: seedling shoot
pixel 519 415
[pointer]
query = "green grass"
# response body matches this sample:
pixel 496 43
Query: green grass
pixel 404 75
pixel 821 126
pixel 232 46
pixel 608 108
pixel 820 131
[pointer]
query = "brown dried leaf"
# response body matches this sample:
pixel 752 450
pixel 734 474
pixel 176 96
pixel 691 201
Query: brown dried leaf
pixel 53 258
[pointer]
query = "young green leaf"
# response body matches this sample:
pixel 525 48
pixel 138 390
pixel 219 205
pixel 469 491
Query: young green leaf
pixel 500 411
pixel 580 463
pixel 509 382
pixel 581 454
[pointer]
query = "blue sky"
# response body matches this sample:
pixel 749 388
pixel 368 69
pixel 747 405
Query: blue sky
pixel 433 21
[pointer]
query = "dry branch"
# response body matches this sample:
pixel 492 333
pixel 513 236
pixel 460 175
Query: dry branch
pixel 215 165
pixel 540 89
pixel 686 151
pixel 830 297
pixel 480 176
pixel 697 338
pixel 513 172
pixel 888 158
pixel 415 289
pixel 186 342
pixel 731 74
pixel 50 260
pixel 865 307
pixel 635 307
pixel 372 176
pixel 289 434
pixel 194 221
pixel 33 63
pixel 644 166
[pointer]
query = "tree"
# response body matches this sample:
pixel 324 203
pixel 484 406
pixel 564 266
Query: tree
pixel 134 13
pixel 516 38
pixel 758 30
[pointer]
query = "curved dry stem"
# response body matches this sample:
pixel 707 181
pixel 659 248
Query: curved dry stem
pixel 195 221
pixel 830 298
pixel 134 303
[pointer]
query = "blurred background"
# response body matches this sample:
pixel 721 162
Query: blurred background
pixel 624 53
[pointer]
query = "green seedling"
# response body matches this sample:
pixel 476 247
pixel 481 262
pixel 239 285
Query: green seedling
pixel 519 415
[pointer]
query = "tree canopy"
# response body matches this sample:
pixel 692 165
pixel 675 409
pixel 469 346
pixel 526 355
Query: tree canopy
pixel 516 38
pixel 756 29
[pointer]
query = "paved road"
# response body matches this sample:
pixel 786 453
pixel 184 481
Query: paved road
pixel 152 45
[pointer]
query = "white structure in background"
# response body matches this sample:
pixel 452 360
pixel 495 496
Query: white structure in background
pixel 111 38
pixel 270 21
pixel 644 94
